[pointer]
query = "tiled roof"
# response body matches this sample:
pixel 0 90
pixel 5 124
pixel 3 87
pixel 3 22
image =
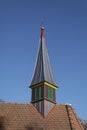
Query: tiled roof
pixel 43 71
pixel 18 116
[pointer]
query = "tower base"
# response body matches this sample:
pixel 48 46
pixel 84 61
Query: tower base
pixel 44 106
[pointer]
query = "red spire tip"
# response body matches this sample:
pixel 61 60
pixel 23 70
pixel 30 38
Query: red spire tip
pixel 42 32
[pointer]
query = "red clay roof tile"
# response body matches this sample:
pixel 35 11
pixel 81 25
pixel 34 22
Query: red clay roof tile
pixel 18 116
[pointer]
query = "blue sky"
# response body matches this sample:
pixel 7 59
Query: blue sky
pixel 65 24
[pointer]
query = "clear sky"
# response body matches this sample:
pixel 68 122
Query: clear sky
pixel 65 24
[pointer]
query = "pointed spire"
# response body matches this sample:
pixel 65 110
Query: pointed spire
pixel 43 84
pixel 43 70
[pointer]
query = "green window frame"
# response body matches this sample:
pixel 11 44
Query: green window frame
pixel 50 93
pixel 37 93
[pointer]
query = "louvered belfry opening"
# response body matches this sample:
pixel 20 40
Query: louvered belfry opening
pixel 43 84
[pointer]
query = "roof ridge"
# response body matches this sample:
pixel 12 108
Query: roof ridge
pixel 15 103
pixel 72 121
pixel 69 116
pixel 76 118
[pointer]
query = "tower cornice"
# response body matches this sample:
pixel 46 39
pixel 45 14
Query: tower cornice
pixel 44 83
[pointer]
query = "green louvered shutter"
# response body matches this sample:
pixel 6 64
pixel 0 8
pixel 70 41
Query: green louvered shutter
pixel 37 93
pixel 50 93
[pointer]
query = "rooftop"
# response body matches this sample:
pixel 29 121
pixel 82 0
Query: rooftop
pixel 19 116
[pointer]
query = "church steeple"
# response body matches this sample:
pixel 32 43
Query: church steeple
pixel 43 84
